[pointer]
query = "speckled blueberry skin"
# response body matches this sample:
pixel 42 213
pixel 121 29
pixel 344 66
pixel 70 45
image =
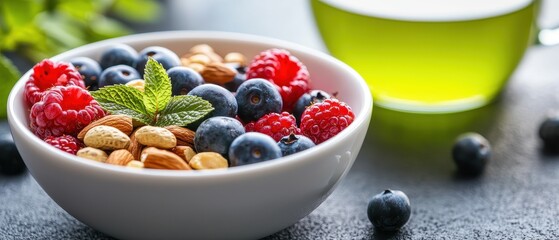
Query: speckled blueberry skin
pixel 471 152
pixel 314 96
pixel 90 71
pixel 120 54
pixel 389 210
pixel 294 143
pixel 164 56
pixel 216 135
pixel 223 101
pixel 119 74
pixel 257 97
pixel 253 147
pixel 183 80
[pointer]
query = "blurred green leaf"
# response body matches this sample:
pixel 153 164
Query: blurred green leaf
pixel 137 10
pixel 62 29
pixel 107 28
pixel 17 13
pixel 8 77
pixel 42 28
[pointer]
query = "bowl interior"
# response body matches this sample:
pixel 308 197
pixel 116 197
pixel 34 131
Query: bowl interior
pixel 327 74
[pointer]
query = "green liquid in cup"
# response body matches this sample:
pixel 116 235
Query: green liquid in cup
pixel 428 66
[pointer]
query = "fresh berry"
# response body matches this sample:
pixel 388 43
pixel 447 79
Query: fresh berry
pixel 321 121
pixel 253 147
pixel 90 71
pixel 120 54
pixel 470 152
pixel 65 143
pixel 237 81
pixel 294 143
pixel 47 74
pixel 10 162
pixel 183 80
pixel 63 110
pixel 223 102
pixel 256 98
pixel 549 132
pixel 275 125
pixel 237 66
pixel 307 99
pixel 164 56
pixel 216 135
pixel 119 74
pixel 389 210
pixel 286 72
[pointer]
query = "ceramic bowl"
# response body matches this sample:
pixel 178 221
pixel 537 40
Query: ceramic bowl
pixel 242 202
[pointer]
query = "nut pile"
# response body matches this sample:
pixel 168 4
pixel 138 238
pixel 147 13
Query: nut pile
pixel 203 110
pixel 113 139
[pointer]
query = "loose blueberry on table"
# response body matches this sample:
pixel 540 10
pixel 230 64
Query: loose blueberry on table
pixel 10 162
pixel 470 152
pixel 389 210
pixel 199 111
pixel 549 132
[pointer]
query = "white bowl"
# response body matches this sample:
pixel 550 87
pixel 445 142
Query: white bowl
pixel 242 202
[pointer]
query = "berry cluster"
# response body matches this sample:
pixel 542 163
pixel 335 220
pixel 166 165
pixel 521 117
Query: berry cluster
pixel 59 103
pixel 260 110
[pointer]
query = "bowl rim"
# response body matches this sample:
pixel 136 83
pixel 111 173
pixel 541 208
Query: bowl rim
pixel 362 118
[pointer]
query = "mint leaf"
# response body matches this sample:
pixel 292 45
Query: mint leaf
pixel 10 75
pixel 121 99
pixel 157 89
pixel 182 110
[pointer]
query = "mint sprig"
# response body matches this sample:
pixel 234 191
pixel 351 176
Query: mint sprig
pixel 154 106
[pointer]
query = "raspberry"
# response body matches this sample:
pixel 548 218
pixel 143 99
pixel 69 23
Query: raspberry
pixel 63 110
pixel 65 143
pixel 274 125
pixel 47 74
pixel 285 71
pixel 321 121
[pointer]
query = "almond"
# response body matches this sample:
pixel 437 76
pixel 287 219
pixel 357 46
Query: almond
pixel 184 136
pixel 120 157
pixel 135 164
pixel 162 159
pixel 218 73
pixel 135 148
pixel 185 152
pixel 120 122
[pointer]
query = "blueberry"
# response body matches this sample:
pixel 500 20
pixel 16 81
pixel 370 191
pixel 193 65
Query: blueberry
pixel 253 147
pixel 119 74
pixel 389 210
pixel 119 54
pixel 90 71
pixel 549 132
pixel 257 97
pixel 237 81
pixel 10 162
pixel 223 101
pixel 184 79
pixel 216 135
pixel 471 152
pixel 315 96
pixel 237 66
pixel 294 143
pixel 164 56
